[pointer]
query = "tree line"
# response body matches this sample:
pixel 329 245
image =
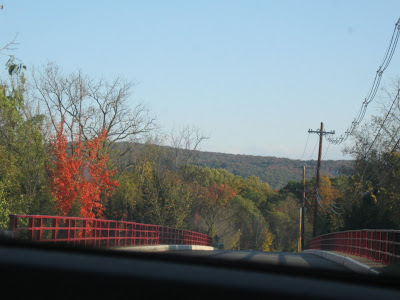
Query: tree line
pixel 277 171
pixel 71 145
pixel 74 145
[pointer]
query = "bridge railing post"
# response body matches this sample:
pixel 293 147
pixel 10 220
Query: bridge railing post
pixel 13 226
pixel 54 230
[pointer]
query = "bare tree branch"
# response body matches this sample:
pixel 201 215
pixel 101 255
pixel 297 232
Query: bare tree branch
pixel 10 46
pixel 185 142
pixel 87 106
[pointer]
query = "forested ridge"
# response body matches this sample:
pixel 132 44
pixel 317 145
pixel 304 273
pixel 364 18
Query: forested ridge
pixel 276 171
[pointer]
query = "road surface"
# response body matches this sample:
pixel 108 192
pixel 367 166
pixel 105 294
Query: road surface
pixel 303 260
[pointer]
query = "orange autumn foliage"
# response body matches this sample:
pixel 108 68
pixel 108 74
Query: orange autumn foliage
pixel 220 194
pixel 80 178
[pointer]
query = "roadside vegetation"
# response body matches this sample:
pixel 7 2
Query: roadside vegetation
pixel 73 145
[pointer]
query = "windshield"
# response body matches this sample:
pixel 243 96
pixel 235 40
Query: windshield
pixel 261 126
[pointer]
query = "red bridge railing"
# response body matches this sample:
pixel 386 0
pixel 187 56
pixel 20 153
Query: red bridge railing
pixel 98 232
pixel 378 245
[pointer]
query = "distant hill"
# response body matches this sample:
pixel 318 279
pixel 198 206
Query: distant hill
pixel 273 170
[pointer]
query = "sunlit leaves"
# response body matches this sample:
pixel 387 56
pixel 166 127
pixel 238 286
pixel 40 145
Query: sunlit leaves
pixel 80 179
pixel 23 155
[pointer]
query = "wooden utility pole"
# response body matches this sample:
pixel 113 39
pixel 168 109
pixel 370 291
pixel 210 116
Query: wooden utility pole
pixel 317 180
pixel 321 133
pixel 303 199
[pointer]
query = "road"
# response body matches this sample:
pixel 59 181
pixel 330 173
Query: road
pixel 303 260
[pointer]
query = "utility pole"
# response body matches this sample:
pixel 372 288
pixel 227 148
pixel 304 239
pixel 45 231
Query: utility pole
pixel 303 199
pixel 321 133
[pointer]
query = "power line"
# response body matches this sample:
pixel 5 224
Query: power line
pixel 321 201
pixel 334 211
pixel 387 174
pixel 315 147
pixel 374 88
pixel 313 209
pixel 327 148
pixel 396 98
pixel 332 206
pixel 384 121
pixel 305 147
pixel 379 169
pixel 382 165
pixel 392 139
pixel 330 193
pixel 336 207
pixel 370 97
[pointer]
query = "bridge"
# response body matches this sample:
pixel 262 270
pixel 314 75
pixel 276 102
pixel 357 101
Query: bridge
pixel 362 251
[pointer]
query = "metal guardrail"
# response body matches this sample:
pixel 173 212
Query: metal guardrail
pixel 98 232
pixel 378 245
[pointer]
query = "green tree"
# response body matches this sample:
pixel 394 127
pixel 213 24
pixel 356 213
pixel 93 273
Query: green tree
pixel 251 223
pixel 23 154
pixel 284 225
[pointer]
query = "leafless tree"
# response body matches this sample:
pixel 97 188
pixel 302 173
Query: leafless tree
pixel 185 142
pixel 10 46
pixel 87 106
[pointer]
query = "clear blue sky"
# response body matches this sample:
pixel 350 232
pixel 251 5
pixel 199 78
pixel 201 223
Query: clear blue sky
pixel 254 75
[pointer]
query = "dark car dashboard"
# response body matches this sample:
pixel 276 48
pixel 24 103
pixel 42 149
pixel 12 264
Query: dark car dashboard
pixel 54 271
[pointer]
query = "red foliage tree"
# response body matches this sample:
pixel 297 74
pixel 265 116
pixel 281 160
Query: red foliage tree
pixel 220 195
pixel 80 178
pixel 215 198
